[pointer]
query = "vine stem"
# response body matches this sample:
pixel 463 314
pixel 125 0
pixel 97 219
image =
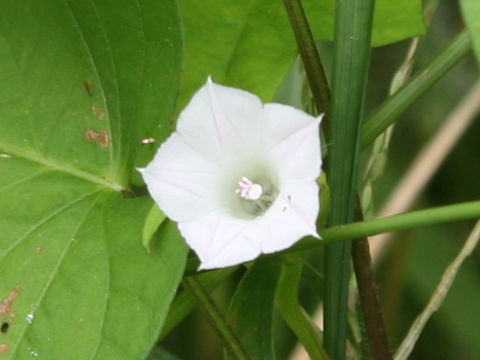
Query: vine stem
pixel 372 311
pixel 216 319
pixel 442 214
pixel 309 54
pixel 288 303
pixel 409 220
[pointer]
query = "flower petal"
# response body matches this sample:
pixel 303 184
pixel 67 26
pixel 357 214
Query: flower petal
pixel 220 240
pixel 221 121
pixel 291 217
pixel 223 135
pixel 294 142
pixel 182 183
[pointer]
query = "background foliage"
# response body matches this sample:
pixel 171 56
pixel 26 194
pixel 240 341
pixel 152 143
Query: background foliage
pixel 82 83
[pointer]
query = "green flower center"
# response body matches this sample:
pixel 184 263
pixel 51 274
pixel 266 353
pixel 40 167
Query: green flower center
pixel 253 193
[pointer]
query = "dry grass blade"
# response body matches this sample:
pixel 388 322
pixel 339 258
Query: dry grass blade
pixel 427 163
pixel 378 159
pixel 438 296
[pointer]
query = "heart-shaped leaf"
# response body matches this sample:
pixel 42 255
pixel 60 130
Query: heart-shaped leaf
pixel 81 84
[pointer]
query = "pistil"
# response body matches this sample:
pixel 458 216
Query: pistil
pixel 248 189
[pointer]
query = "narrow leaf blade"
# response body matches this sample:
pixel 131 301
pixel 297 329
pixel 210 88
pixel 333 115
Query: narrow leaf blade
pixel 251 310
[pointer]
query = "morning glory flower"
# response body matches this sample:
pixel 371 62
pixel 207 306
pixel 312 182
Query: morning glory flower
pixel 238 176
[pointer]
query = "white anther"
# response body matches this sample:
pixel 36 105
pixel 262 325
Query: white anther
pixel 248 189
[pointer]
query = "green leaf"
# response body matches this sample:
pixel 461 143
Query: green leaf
pixel 249 44
pixel 159 353
pixel 393 20
pixel 79 83
pixel 471 14
pixel 246 44
pixel 104 74
pixel 154 219
pixel 397 20
pixel 251 311
pixel 73 251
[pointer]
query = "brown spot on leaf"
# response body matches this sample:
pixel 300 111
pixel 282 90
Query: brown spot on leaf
pixel 100 137
pixel 6 305
pixel 4 348
pixel 86 86
pixel 39 249
pixel 98 112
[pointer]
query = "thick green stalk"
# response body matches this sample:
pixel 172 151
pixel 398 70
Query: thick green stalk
pixel 395 105
pixel 216 319
pixel 353 27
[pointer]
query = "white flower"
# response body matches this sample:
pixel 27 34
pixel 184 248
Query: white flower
pixel 238 176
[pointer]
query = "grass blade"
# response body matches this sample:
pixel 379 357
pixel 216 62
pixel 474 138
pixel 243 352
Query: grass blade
pixel 387 113
pixel 351 58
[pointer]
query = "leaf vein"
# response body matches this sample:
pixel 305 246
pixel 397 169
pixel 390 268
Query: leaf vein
pixel 46 220
pixel 108 294
pixel 23 180
pixel 55 270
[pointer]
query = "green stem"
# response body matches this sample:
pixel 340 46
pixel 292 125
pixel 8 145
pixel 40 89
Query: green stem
pixel 184 303
pixel 409 220
pixel 394 106
pixel 216 319
pixel 308 51
pixel 442 214
pixel 353 27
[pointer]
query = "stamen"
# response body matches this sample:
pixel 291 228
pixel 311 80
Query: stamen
pixel 248 189
pixel 255 196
